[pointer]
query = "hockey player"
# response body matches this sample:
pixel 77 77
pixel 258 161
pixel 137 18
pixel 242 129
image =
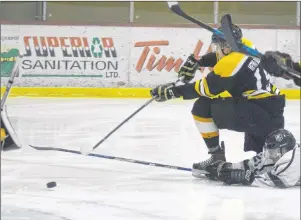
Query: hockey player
pixel 277 166
pixel 8 136
pixel 270 62
pixel 255 108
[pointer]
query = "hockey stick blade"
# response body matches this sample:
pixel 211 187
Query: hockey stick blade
pixel 174 6
pixel 226 23
pixel 113 158
pixel 172 3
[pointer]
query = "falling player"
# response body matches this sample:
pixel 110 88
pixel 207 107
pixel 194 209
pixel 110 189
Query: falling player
pixel 255 108
pixel 277 166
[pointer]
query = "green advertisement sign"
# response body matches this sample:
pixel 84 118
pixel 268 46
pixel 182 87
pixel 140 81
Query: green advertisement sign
pixel 7 62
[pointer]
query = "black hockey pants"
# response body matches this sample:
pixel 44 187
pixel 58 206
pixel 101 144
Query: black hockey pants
pixel 256 118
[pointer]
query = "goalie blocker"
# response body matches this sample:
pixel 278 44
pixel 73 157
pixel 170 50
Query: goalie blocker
pixel 9 138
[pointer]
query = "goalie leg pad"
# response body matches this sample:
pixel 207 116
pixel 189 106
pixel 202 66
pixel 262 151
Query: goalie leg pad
pixel 3 134
pixel 9 140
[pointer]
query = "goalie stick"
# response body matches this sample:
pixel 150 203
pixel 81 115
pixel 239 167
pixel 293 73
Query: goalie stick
pixel 226 23
pixel 147 163
pixel 11 139
pixel 10 82
pixel 174 7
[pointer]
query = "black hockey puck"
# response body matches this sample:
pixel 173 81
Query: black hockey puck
pixel 51 184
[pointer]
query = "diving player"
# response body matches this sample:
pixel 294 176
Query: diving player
pixel 255 108
pixel 277 166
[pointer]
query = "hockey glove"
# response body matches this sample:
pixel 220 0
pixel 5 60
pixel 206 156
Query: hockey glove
pixel 187 71
pixel 165 92
pixel 272 62
pixel 228 175
pixel 213 169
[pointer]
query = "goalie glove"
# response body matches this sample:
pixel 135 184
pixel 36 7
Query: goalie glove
pixel 187 71
pixel 165 92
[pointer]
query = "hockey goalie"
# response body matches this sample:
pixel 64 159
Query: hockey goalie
pixel 8 136
pixel 9 139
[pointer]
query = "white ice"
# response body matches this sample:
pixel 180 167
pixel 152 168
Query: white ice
pixel 90 188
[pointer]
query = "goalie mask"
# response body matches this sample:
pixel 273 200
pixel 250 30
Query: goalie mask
pixel 278 143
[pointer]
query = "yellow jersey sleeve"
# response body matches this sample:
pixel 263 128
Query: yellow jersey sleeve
pixel 212 85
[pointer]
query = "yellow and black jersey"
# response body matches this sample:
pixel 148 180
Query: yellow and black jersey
pixel 236 73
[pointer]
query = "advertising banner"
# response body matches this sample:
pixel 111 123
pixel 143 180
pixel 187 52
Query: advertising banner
pixel 70 56
pixel 97 56
pixel 158 54
pixel 9 52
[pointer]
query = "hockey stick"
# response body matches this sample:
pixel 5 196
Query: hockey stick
pixel 83 151
pixel 113 158
pixel 236 46
pixel 86 151
pixel 4 118
pixel 226 23
pixel 174 6
pixel 10 81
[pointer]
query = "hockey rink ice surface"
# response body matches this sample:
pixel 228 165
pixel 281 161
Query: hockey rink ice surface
pixel 90 188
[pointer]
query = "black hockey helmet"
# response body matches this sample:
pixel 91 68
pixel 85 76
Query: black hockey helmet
pixel 236 32
pixel 278 143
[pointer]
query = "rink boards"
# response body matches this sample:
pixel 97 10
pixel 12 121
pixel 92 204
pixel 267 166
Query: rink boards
pixel 104 92
pixel 116 61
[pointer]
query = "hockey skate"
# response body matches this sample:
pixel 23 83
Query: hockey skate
pixel 199 169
